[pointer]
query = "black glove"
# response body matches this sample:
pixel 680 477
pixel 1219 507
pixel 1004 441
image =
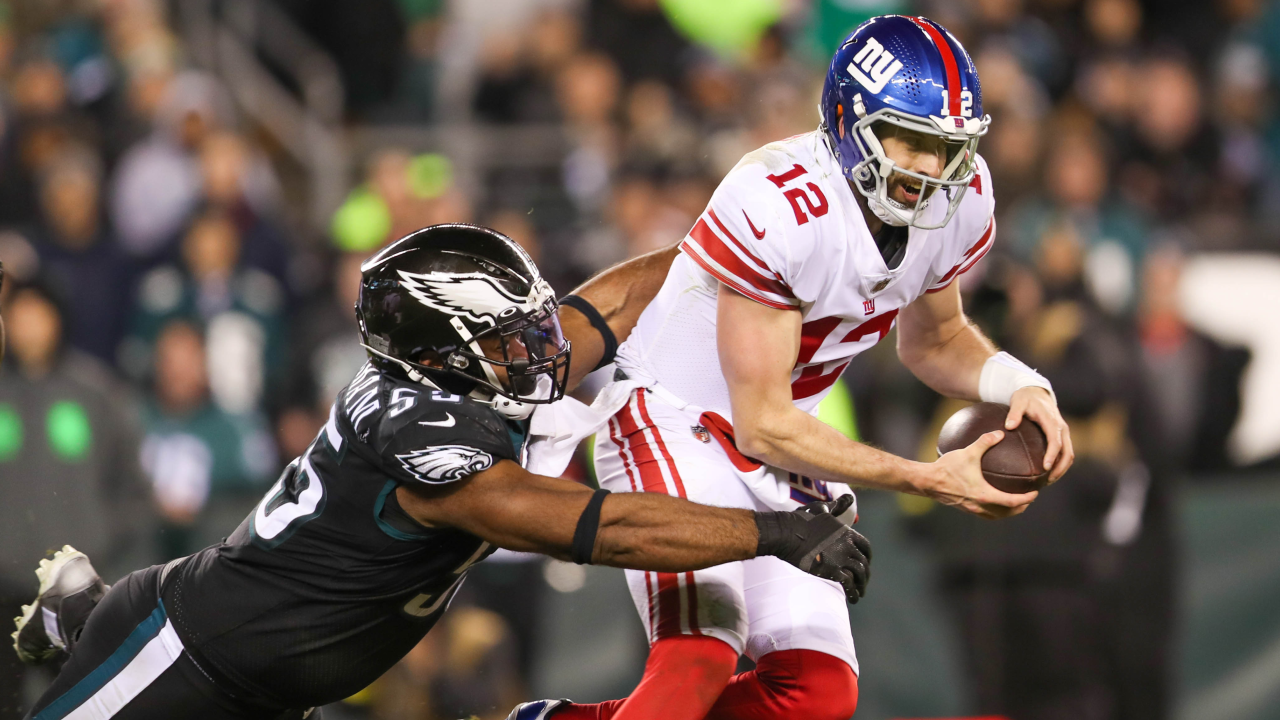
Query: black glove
pixel 812 539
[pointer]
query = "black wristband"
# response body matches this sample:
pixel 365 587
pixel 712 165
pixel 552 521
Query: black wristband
pixel 775 537
pixel 598 322
pixel 584 536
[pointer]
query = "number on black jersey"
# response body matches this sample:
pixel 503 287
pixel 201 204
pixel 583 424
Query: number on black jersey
pixel 298 496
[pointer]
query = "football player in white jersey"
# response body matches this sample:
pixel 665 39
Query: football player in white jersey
pixel 810 251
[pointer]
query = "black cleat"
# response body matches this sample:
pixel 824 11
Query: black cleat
pixel 69 590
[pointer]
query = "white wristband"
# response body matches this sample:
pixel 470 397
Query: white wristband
pixel 1004 374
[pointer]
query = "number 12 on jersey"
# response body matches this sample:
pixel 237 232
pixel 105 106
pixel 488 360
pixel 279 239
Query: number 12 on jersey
pixel 797 195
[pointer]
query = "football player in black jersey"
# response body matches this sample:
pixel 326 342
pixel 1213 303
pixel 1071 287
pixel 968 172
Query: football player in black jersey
pixel 356 550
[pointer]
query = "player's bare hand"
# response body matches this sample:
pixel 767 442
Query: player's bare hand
pixel 957 481
pixel 1038 405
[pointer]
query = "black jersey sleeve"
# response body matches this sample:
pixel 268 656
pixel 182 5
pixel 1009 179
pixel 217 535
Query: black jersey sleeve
pixel 433 437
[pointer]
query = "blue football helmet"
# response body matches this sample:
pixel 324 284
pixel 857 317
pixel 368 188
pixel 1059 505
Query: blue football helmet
pixel 912 73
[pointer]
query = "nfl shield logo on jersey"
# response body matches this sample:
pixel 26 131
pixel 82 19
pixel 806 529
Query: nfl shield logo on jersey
pixel 700 434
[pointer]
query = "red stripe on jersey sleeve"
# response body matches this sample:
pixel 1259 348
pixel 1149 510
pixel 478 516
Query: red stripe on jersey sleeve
pixel 750 255
pixel 975 259
pixel 725 257
pixel 737 286
pixel 705 248
pixel 985 243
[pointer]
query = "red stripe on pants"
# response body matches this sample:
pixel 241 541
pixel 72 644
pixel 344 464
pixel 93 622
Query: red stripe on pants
pixel 623 453
pixel 669 593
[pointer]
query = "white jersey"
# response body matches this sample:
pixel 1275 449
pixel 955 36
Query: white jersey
pixel 785 230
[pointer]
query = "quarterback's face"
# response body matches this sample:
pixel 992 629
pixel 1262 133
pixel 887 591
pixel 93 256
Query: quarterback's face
pixel 914 151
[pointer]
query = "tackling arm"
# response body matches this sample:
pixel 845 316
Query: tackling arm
pixel 758 348
pixel 619 294
pixel 512 508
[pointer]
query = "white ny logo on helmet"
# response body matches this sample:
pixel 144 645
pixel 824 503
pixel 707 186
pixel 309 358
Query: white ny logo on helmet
pixel 880 66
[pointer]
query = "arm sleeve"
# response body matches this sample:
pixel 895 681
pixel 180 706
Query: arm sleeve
pixel 739 241
pixel 443 442
pixel 979 232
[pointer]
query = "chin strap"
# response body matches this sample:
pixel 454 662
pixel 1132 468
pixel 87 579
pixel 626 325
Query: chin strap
pixel 503 405
pixel 414 374
pixel 879 210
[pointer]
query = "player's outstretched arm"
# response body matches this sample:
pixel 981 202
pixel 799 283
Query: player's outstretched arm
pixel 512 508
pixel 619 294
pixel 758 347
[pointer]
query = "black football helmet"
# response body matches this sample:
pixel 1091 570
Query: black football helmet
pixel 463 309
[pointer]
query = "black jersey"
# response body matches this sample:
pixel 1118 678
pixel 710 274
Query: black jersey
pixel 328 583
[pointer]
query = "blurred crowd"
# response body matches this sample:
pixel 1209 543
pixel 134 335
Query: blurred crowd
pixel 177 329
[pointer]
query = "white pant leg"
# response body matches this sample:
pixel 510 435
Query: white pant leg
pixel 789 609
pixel 756 606
pixel 649 446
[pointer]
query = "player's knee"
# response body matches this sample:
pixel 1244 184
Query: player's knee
pixel 702 660
pixel 810 685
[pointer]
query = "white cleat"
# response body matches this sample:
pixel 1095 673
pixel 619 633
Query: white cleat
pixel 69 590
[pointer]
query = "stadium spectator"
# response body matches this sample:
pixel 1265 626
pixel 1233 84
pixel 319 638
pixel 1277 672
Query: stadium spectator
pixel 325 355
pixel 1078 195
pixel 68 461
pixel 156 185
pixel 401 193
pixel 1169 167
pixel 1199 379
pixel 207 467
pixel 640 38
pixel 242 309
pixel 241 184
pixel 43 125
pixel 517 78
pixel 79 253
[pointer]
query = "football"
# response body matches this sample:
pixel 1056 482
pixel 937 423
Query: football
pixel 1016 463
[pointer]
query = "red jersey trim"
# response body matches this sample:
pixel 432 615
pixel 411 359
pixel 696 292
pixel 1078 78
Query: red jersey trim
pixel 760 264
pixel 693 251
pixel 970 258
pixel 721 254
